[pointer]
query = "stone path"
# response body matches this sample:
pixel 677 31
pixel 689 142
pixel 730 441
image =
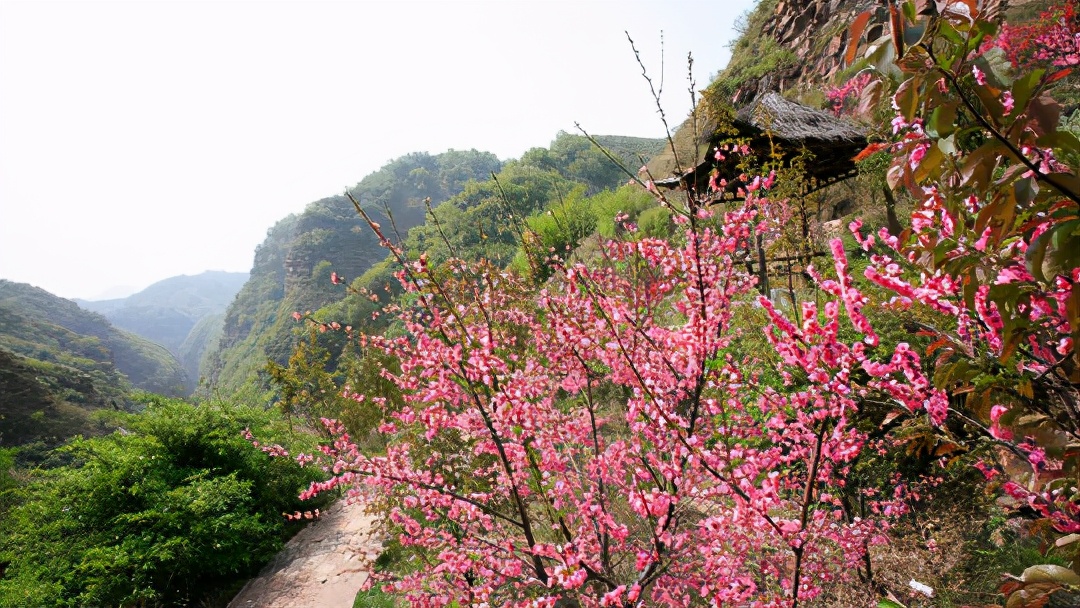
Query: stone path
pixel 323 566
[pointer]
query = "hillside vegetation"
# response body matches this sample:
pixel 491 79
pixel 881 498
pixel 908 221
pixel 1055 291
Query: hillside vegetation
pixel 174 507
pixel 293 267
pixel 146 365
pixel 61 362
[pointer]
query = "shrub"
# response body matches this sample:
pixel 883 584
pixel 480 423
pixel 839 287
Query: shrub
pixel 172 506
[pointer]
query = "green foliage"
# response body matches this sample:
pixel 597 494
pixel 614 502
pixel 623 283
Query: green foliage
pixel 486 219
pixel 204 335
pixel 655 222
pixel 58 363
pixel 631 151
pixel 554 232
pixel 576 158
pixel 165 510
pixel 629 201
pixel 48 403
pixel 9 481
pixel 306 387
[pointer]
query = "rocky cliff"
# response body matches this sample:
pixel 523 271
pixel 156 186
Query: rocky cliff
pixel 815 35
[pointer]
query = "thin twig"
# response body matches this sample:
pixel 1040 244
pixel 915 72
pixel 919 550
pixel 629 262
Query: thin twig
pixel 656 98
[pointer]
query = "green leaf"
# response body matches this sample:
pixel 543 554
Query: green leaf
pixel 978 168
pixel 907 98
pixel 1024 192
pixel 882 56
pixel 910 12
pixel 985 27
pixel 931 164
pixel 942 120
pixel 1063 141
pixel 991 101
pixel 1050 573
pixel 949 32
pixel 996 66
pixel 1064 247
pixel 889 604
pixel 1025 86
pixel 1036 253
pixel 1045 114
pixel 1060 245
pixel 947 146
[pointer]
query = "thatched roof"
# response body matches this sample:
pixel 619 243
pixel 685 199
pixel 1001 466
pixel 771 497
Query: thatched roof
pixel 791 121
pixel 771 122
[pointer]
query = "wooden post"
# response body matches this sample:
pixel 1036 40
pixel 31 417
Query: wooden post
pixel 763 268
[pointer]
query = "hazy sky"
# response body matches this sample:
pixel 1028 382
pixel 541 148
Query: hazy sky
pixel 142 140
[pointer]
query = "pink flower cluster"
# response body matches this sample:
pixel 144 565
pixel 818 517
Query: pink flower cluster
pixel 843 96
pixel 524 486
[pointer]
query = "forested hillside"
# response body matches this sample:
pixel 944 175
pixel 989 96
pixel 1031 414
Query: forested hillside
pixel 147 366
pixel 60 362
pixel 293 267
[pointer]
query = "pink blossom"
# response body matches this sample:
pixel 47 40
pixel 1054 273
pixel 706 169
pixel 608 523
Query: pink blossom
pixel 917 154
pixel 980 77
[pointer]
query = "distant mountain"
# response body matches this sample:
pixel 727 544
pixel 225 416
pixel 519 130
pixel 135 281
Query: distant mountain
pixel 113 293
pixel 168 311
pixel 58 362
pixel 210 291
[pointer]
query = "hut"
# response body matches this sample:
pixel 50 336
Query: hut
pixel 770 125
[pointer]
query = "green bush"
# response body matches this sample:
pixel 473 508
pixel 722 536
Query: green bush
pixel 171 507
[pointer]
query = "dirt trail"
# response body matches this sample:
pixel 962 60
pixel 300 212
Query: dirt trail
pixel 321 567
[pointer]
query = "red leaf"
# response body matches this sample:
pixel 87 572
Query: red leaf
pixel 1056 76
pixel 896 23
pixel 936 345
pixel 854 34
pixel 869 151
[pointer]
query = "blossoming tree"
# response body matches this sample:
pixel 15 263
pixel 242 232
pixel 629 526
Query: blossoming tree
pixel 602 441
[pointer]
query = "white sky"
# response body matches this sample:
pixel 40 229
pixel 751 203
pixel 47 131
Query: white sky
pixel 143 140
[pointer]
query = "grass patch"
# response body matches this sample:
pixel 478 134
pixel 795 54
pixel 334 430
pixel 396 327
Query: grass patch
pixel 373 598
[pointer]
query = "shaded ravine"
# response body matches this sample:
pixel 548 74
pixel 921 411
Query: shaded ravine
pixel 324 565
